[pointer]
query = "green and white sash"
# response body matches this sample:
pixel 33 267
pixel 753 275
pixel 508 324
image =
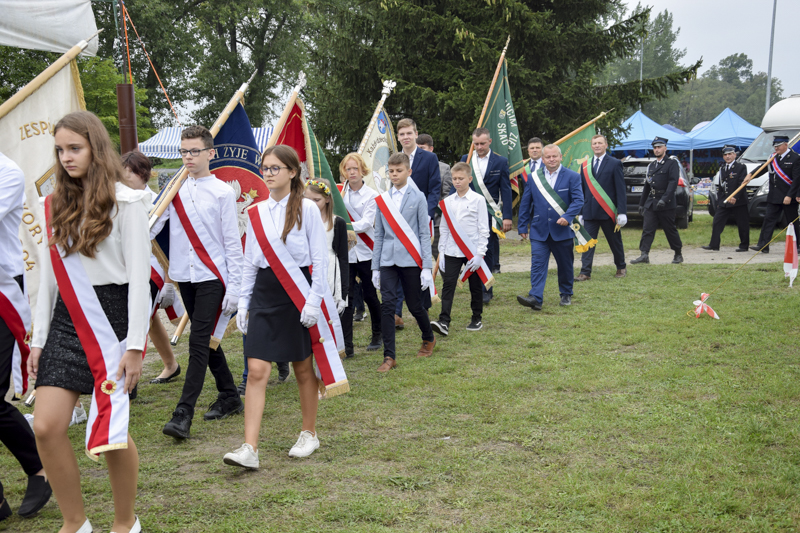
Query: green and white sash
pixel 493 207
pixel 583 241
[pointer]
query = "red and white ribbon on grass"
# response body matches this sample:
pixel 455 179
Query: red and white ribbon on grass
pixel 790 256
pixel 327 339
pixel 107 427
pixel 15 311
pixel 703 307
pixel 465 244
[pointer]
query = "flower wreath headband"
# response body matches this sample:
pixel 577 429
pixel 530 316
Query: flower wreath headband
pixel 324 186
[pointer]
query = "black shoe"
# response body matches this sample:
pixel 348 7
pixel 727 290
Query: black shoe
pixel 180 424
pixel 644 258
pixel 36 496
pixel 710 248
pixel 740 249
pixel 161 381
pixel 529 301
pixel 5 510
pixel 283 372
pixel 757 248
pixel 134 393
pixel 358 317
pixel 242 388
pixel 496 270
pixel 678 259
pixel 223 408
pixel 566 300
pixel 474 325
pixel 487 298
pixel 440 328
pixel 375 344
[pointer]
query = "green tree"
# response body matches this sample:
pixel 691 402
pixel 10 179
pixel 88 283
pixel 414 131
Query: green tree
pixel 19 66
pixel 443 55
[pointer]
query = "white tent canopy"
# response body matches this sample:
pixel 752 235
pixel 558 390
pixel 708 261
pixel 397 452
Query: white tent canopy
pixel 166 143
pixel 52 25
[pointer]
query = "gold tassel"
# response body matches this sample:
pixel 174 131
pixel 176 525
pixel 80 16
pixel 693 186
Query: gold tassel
pixel 336 389
pixel 351 239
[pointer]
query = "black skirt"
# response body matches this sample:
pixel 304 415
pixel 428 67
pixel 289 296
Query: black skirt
pixel 274 331
pixel 63 362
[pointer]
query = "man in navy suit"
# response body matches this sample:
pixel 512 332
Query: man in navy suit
pixel 549 222
pixel 493 171
pixel 608 182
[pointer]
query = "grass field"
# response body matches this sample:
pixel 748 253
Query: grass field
pixel 620 413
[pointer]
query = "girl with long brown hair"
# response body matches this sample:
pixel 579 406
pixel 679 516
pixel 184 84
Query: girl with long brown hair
pixel 276 330
pixel 93 287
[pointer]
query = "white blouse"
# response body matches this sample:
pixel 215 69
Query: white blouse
pixel 122 257
pixel 307 246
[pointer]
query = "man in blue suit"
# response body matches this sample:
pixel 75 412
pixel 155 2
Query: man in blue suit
pixel 492 170
pixel 549 222
pixel 598 212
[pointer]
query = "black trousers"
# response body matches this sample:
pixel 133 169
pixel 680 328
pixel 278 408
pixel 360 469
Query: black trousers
pixel 15 432
pixel 721 216
pixel 771 218
pixel 363 271
pixel 394 279
pixel 202 300
pixel 452 268
pixel 652 219
pixel 614 239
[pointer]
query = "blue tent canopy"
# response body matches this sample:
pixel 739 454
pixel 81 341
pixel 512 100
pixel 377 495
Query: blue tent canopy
pixel 644 130
pixel 670 127
pixel 727 128
pixel 166 143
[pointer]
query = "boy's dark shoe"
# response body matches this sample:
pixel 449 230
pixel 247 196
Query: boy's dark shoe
pixel 180 424
pixel 223 408
pixel 474 325
pixel 440 327
pixel 36 496
pixel 375 343
pixel 529 301
pixel 283 372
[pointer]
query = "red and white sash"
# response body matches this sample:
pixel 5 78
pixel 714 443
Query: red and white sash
pixel 107 428
pixel 206 249
pixel 402 230
pixel 779 171
pixel 465 244
pixel 176 310
pixel 327 339
pixel 368 237
pixel 15 311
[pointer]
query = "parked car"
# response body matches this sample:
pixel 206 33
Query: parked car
pixel 635 172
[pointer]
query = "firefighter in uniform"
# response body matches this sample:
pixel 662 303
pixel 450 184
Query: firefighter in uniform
pixel 657 204
pixel 731 176
pixel 784 189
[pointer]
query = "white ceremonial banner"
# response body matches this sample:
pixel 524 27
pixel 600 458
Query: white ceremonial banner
pixel 26 137
pixel 50 25
pixel 376 148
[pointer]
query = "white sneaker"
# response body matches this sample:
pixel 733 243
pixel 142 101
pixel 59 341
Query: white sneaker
pixel 78 416
pixel 245 457
pixel 137 527
pixel 86 527
pixel 305 445
pixel 29 418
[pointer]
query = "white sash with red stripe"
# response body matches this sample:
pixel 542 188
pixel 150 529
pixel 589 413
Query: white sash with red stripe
pixel 107 427
pixel 368 237
pixel 464 244
pixel 15 311
pixel 327 338
pixel 779 171
pixel 206 249
pixel 403 232
pixel 176 310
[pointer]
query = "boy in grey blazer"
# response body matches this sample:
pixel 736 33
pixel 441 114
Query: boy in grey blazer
pixel 397 265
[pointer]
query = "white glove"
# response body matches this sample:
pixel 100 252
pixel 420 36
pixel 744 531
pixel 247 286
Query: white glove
pixel 474 263
pixel 441 263
pixel 340 306
pixel 376 279
pixel 580 219
pixel 229 304
pixel 167 296
pixel 309 315
pixel 426 279
pixel 622 220
pixel 241 320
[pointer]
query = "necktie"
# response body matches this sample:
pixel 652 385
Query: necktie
pixel 596 164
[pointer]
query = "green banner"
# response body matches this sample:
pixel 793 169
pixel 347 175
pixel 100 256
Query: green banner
pixel 577 149
pixel 323 170
pixel 501 121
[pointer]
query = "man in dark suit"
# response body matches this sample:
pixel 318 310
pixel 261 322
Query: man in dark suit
pixel 731 176
pixel 604 206
pixel 491 181
pixel 657 204
pixel 425 142
pixel 784 191
pixel 549 219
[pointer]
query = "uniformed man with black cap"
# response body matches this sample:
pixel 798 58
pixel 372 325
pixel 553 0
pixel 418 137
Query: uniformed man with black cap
pixel 657 205
pixel 731 176
pixel 784 188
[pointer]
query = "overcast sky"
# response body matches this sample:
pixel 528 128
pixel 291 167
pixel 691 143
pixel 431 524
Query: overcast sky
pixel 714 29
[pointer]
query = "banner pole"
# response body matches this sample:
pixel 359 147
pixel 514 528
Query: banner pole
pixel 572 134
pixel 759 169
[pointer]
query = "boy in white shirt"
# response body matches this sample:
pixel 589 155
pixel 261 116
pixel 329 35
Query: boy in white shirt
pixel 467 209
